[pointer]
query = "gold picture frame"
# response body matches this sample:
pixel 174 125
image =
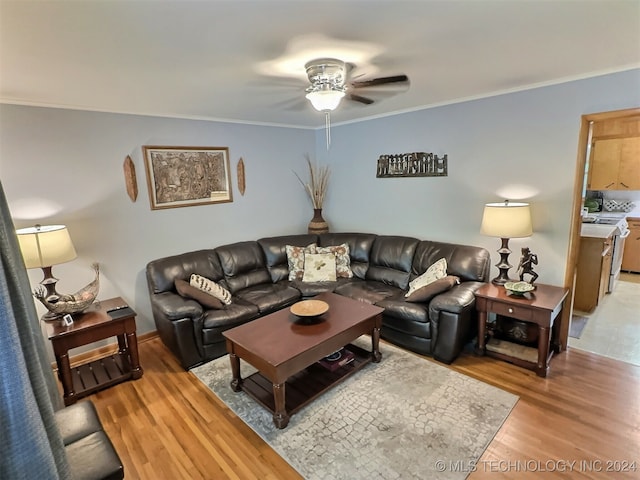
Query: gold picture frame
pixel 187 176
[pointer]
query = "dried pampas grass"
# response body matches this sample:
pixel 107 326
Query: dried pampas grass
pixel 318 182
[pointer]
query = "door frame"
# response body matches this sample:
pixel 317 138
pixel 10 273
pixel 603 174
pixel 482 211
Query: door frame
pixel 576 210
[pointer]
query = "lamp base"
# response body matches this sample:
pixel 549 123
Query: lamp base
pixel 49 284
pixel 501 279
pixel 51 317
pixel 503 265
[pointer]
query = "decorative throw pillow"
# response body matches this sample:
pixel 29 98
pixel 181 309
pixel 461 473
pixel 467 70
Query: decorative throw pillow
pixel 319 267
pixel 184 289
pixel 295 259
pixel 435 272
pixel 210 287
pixel 343 260
pixel 426 293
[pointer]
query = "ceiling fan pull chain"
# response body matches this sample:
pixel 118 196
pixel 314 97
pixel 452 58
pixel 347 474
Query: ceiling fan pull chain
pixel 327 121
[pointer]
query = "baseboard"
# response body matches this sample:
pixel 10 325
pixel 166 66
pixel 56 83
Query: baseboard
pixel 103 351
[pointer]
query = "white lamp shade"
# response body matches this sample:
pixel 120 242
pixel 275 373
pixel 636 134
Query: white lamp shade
pixel 506 220
pixel 325 100
pixel 44 246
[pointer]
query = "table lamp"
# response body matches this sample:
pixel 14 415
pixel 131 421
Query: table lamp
pixel 506 220
pixel 43 247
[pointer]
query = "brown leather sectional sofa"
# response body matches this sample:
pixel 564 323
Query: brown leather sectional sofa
pixel 256 273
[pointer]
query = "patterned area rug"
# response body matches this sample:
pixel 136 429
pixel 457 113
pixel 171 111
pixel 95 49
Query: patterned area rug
pixel 403 418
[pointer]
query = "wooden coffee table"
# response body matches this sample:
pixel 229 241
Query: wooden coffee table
pixel 285 350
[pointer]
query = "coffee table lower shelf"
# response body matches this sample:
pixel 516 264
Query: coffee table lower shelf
pixel 305 386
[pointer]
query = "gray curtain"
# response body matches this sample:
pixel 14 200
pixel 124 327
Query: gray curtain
pixel 30 443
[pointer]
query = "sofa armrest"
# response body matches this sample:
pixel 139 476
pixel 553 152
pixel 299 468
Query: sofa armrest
pixel 174 307
pixel 453 324
pixel 454 300
pixel 176 319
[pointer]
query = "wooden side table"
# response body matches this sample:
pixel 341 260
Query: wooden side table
pixel 104 319
pixel 541 307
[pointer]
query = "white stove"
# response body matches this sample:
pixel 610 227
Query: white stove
pixel 621 232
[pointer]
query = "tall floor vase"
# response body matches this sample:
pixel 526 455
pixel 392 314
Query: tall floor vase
pixel 317 224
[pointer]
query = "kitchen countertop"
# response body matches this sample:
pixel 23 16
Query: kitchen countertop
pixel 595 230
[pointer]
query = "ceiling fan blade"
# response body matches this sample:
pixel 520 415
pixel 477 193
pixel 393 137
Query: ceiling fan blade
pixel 380 81
pixel 359 98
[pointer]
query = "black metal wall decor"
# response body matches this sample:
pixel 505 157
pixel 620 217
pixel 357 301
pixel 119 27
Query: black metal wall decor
pixel 417 164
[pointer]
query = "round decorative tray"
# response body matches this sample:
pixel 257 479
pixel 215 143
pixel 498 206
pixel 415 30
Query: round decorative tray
pixel 309 308
pixel 519 288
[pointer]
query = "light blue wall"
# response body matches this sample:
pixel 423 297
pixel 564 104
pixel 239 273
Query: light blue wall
pixel 65 166
pixel 520 146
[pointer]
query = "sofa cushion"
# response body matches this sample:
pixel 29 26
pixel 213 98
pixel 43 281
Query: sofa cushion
pixel 210 287
pixel 214 322
pixel 366 291
pixel 409 313
pixel 464 261
pixel 269 297
pixel 435 272
pixel 311 289
pixel 295 259
pixel 426 293
pixel 359 248
pixel 391 259
pixel 319 267
pixel 411 318
pixel 275 253
pixel 343 261
pixel 186 290
pixel 243 264
pixel 161 273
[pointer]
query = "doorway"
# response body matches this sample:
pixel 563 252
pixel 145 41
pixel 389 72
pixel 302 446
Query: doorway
pixel 612 321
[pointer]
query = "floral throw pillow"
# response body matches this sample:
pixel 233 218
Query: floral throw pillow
pixel 295 259
pixel 343 260
pixel 435 272
pixel 319 267
pixel 210 287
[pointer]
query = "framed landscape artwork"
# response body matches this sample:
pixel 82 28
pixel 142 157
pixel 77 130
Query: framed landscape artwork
pixel 187 176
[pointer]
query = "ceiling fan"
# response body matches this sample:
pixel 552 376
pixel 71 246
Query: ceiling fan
pixel 331 82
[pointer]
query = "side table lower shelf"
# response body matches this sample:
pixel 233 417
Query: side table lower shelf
pixel 515 353
pixel 102 320
pixel 98 374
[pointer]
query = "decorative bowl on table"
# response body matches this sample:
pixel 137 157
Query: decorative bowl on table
pixel 309 308
pixel 518 288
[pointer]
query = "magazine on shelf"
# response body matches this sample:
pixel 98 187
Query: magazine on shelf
pixel 337 359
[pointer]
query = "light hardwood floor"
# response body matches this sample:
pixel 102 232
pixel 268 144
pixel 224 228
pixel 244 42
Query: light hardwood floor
pixel 167 425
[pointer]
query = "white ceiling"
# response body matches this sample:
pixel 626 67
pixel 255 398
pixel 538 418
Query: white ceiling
pixel 238 60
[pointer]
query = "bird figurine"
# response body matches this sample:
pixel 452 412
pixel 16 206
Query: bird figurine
pixel 79 301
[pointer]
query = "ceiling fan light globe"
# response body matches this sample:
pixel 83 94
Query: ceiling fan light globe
pixel 325 100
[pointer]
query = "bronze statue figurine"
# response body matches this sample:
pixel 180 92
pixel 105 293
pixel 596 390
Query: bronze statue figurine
pixel 527 261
